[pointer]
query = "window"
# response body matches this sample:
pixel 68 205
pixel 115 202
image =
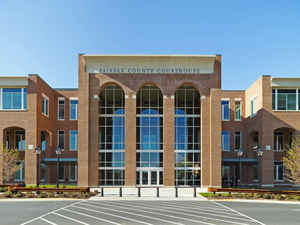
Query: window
pixel 73 172
pixel 238 110
pixel 13 98
pixel 73 139
pixel 278 171
pixel 20 174
pixel 73 109
pixel 278 141
pixel 237 140
pixel 225 110
pixel 225 140
pixel 187 136
pixel 111 136
pixel 226 173
pixel 61 173
pixel 43 141
pixel 61 139
pixel 20 140
pixel 285 99
pixel 45 105
pixel 253 106
pixel 61 108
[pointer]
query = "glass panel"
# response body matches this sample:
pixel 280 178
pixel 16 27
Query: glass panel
pixel 73 139
pixel 61 172
pixel 73 109
pixel 145 177
pixel 25 98
pixel 225 110
pixel 12 98
pixel 154 178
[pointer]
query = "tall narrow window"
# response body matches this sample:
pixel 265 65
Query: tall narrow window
pixel 238 110
pixel 278 171
pixel 45 105
pixel 20 174
pixel 20 140
pixel 253 106
pixel 225 140
pixel 278 141
pixel 61 108
pixel 225 110
pixel 149 135
pixel 61 172
pixel 111 136
pixel 73 109
pixel 43 141
pixel 73 172
pixel 73 140
pixel 187 136
pixel 61 139
pixel 237 140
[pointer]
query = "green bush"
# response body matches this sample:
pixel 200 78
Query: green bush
pixel 3 189
pixel 19 195
pixel 267 196
pixel 29 195
pixel 51 194
pixel 43 195
pixel 8 194
pixel 298 198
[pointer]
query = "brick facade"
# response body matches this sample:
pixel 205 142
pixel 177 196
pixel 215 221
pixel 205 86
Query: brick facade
pixel 212 159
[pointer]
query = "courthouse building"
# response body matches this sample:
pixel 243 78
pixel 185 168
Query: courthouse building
pixel 150 120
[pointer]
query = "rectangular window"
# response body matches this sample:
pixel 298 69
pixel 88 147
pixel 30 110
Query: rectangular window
pixel 285 99
pixel 225 110
pixel 73 172
pixel 73 140
pixel 255 172
pixel 20 174
pixel 73 109
pixel 253 107
pixel 278 141
pixel 20 140
pixel 237 140
pixel 238 110
pixel 278 171
pixel 43 169
pixel 61 139
pixel 13 98
pixel 225 140
pixel 61 173
pixel 61 108
pixel 45 105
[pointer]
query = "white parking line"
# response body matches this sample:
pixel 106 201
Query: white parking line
pixel 69 218
pixel 254 220
pixel 165 215
pixel 47 221
pixel 189 209
pixel 39 217
pixel 94 217
pixel 122 217
pixel 207 213
pixel 188 214
pixel 130 213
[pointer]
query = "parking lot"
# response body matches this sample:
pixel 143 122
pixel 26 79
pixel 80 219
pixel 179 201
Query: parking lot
pixel 147 212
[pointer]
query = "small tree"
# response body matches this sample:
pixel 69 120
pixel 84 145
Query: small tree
pixel 10 163
pixel 291 161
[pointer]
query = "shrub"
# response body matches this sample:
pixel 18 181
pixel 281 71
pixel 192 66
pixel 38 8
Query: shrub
pixel 19 195
pixel 8 194
pixel 298 198
pixel 43 195
pixel 29 195
pixel 267 196
pixel 3 189
pixel 51 194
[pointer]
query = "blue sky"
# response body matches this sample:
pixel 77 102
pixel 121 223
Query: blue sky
pixel 254 37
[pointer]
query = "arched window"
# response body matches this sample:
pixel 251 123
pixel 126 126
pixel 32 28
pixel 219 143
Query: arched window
pixel 149 139
pixel 111 136
pixel 187 136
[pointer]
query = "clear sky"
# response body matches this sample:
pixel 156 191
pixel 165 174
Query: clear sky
pixel 254 37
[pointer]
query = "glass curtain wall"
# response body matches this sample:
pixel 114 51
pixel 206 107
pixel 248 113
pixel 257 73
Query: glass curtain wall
pixel 187 136
pixel 111 136
pixel 149 131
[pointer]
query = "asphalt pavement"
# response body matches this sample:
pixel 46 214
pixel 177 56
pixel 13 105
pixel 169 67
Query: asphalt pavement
pixel 147 212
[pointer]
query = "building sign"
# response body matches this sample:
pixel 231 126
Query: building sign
pixel 149 65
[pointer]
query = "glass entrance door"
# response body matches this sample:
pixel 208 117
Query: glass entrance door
pixel 150 177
